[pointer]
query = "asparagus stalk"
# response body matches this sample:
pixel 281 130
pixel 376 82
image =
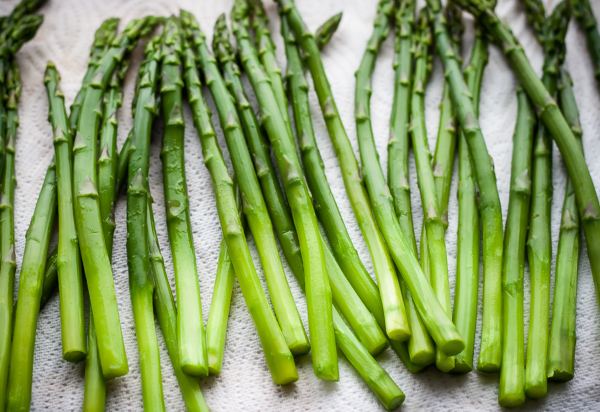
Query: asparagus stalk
pixel 420 346
pixel 190 328
pixel 344 296
pixel 107 162
pixel 94 253
pixel 166 313
pixel 512 385
pixel 550 114
pixel 539 244
pixel 318 292
pixel 30 289
pixel 326 31
pixel 325 204
pixel 69 261
pixel 216 327
pixel 431 189
pixel 489 205
pixel 255 209
pixel 103 38
pixel 382 263
pixel 8 263
pixel 467 262
pixel 561 352
pixel 583 13
pixel 278 355
pixel 141 287
pixel 50 277
pixel 94 393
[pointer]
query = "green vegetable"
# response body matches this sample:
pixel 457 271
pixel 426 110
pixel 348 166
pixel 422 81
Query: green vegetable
pixel 318 293
pixel 8 262
pixel 561 352
pixel 583 13
pixel 190 328
pixel 278 355
pixel 141 287
pixel 434 261
pixel 420 346
pixel 467 262
pixel 103 38
pixel 512 379
pixel 490 354
pixel 70 274
pixel 31 279
pixel 93 249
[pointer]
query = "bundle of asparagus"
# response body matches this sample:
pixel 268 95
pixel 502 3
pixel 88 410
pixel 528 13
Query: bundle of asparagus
pixel 408 308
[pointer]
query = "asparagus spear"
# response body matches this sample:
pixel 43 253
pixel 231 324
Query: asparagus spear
pixel 431 189
pixel 94 253
pixel 467 262
pixel 278 355
pixel 344 296
pixel 512 384
pixel 551 34
pixel 8 263
pixel 489 206
pixel 166 313
pixel 420 345
pixel 550 114
pixel 69 261
pixel 325 204
pixel 326 31
pixel 190 328
pixel 583 13
pixel 18 396
pixel 216 327
pixel 256 211
pixel 382 263
pixel 50 277
pixel 561 352
pixel 318 293
pixel 103 38
pixel 141 287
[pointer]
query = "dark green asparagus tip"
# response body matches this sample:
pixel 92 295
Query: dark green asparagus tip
pixel 221 45
pixel 106 33
pixel 327 30
pixel 240 12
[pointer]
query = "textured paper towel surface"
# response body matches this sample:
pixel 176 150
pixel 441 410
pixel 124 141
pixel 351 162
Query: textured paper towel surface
pixel 245 383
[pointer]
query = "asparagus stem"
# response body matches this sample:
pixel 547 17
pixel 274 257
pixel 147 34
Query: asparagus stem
pixel 69 261
pixel 94 394
pixel 512 385
pixel 489 204
pixel 107 162
pixel 190 328
pixel 550 114
pixel 8 264
pixel 123 163
pixel 467 262
pixel 94 253
pixel 103 38
pixel 318 292
pixel 583 13
pixel 278 355
pixel 325 204
pixel 326 31
pixel 141 287
pixel 30 289
pixel 166 313
pixel 254 204
pixel 561 352
pixel 382 263
pixel 344 296
pixel 216 328
pixel 420 346
pixel 50 277
pixel 430 188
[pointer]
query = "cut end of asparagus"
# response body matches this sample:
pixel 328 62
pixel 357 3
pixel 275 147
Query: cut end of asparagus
pixel 300 348
pixel 283 375
pixel 488 367
pixel 557 375
pixel 537 390
pixel 399 334
pixel 195 370
pixel 423 357
pixel 327 372
pixel 511 400
pixel 461 367
pixel 75 355
pixel 452 347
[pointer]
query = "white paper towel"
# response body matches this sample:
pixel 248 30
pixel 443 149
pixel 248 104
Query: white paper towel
pixel 245 383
